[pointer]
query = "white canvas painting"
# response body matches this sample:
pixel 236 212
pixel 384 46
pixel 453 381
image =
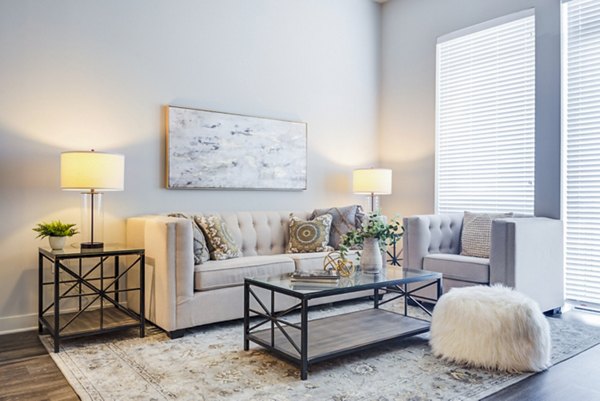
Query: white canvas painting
pixel 208 149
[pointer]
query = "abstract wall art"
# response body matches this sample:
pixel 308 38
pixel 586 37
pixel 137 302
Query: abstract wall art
pixel 215 150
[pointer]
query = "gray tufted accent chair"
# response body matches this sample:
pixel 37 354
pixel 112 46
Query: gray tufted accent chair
pixel 431 234
pixel 526 254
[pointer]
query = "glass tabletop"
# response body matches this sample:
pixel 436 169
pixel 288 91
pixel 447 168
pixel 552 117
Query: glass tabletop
pixel 73 251
pixel 390 275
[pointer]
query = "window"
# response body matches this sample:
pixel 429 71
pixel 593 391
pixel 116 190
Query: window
pixel 485 117
pixel 581 148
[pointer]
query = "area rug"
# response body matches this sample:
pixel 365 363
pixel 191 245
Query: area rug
pixel 209 364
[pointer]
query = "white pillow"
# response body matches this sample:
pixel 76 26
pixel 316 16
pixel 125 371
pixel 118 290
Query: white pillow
pixel 476 232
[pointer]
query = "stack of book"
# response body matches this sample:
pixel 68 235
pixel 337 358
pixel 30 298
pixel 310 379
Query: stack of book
pixel 317 279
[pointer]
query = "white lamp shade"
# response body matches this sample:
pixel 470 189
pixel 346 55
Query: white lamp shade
pixel 83 170
pixel 376 181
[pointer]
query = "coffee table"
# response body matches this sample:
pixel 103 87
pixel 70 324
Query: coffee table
pixel 315 340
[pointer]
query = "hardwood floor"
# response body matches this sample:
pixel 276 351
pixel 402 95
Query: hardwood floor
pixel 27 373
pixel 573 379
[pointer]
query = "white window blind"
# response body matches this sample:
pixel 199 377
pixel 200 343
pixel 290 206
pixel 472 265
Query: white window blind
pixel 581 148
pixel 485 117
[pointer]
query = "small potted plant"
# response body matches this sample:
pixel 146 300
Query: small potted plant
pixel 57 232
pixel 374 236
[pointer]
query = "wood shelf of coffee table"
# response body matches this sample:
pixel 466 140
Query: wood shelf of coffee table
pixel 345 333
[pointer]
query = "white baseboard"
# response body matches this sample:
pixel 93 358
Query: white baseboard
pixel 18 323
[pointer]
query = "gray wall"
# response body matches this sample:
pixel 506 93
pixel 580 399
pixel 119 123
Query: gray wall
pixel 410 29
pixel 82 74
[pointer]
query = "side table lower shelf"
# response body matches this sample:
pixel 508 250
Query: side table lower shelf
pixel 88 322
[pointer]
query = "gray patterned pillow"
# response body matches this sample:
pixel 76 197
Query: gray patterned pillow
pixel 201 253
pixel 220 241
pixel 360 216
pixel 476 231
pixel 309 236
pixel 344 219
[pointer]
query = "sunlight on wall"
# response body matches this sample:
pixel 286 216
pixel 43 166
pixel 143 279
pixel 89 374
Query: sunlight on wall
pixel 73 108
pixel 92 75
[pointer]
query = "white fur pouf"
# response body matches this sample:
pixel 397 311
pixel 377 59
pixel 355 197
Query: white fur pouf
pixel 491 327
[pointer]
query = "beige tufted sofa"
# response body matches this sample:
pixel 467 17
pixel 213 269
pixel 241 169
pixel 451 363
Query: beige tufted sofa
pixel 180 295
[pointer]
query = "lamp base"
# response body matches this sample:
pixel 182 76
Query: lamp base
pixel 92 245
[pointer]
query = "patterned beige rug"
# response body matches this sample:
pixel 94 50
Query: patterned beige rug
pixel 209 364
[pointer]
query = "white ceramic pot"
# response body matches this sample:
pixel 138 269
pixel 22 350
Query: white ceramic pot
pixel 371 260
pixel 57 243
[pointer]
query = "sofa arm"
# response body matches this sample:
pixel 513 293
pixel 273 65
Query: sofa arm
pixel 168 242
pixel 527 254
pixel 433 233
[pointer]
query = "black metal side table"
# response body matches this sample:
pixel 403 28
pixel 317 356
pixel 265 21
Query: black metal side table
pixel 92 286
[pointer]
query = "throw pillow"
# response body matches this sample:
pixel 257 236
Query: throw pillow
pixel 476 231
pixel 309 236
pixel 201 253
pixel 220 240
pixel 344 219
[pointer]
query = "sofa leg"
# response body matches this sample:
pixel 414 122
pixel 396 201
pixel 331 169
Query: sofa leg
pixel 552 312
pixel 175 334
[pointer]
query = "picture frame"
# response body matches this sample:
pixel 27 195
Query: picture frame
pixel 218 150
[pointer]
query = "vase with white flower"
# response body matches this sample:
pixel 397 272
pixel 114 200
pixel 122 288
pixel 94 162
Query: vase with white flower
pixel 373 236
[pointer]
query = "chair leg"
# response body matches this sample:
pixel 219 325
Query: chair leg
pixel 553 312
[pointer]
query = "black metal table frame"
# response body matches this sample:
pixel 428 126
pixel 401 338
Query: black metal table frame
pixel 79 279
pixel 277 321
pixel 395 256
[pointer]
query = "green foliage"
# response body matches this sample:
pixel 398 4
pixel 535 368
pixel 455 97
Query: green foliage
pixel 374 226
pixel 55 229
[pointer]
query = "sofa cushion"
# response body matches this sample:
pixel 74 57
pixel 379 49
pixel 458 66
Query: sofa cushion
pixel 201 252
pixel 231 272
pixel 459 267
pixel 309 236
pixel 221 243
pixel 476 232
pixel 344 219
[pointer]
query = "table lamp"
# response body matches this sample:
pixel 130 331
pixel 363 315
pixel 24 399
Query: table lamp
pixel 91 172
pixel 372 181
